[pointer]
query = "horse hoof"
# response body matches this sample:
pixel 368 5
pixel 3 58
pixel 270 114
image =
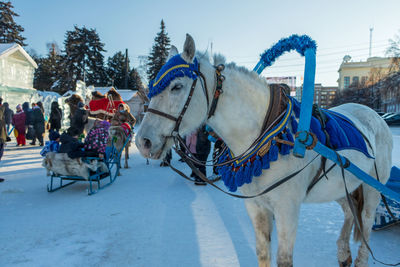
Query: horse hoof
pixel 346 263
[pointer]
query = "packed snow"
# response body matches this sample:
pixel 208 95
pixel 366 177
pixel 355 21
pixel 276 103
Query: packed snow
pixel 151 217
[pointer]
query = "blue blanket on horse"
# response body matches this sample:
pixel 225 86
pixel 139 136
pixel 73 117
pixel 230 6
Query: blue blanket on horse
pixel 341 131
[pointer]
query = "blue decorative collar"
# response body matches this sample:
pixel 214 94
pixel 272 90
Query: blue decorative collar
pixel 175 67
pixel 242 170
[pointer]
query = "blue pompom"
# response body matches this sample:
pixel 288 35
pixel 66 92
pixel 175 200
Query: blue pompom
pixel 265 162
pixel 247 171
pixel 239 177
pixel 294 124
pixel 273 151
pixel 289 135
pixel 257 171
pixel 285 149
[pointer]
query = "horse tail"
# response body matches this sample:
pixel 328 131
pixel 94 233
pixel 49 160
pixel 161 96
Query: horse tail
pixel 358 200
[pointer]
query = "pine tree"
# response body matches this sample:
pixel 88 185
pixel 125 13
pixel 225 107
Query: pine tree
pixel 83 58
pixel 10 32
pixel 48 70
pixel 116 69
pixel 95 59
pixel 135 82
pixel 159 52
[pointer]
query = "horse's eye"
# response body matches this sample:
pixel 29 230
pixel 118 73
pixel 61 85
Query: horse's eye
pixel 177 87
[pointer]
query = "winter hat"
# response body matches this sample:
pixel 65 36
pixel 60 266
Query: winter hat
pixel 54 135
pixel 19 107
pixel 105 124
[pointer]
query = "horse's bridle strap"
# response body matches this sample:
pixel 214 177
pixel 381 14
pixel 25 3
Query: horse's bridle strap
pixel 162 114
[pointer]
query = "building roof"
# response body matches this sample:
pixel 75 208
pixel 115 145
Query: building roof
pixel 11 48
pixel 371 62
pixel 126 94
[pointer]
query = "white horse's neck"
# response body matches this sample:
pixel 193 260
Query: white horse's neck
pixel 241 108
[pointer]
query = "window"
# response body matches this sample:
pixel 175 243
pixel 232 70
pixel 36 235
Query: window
pixel 364 79
pixel 346 82
pixel 355 80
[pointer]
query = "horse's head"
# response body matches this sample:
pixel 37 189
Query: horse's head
pixel 168 94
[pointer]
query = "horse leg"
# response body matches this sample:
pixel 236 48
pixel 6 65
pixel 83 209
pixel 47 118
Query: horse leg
pixel 343 243
pixel 262 222
pixel 126 157
pixel 286 221
pixel 119 164
pixel 371 201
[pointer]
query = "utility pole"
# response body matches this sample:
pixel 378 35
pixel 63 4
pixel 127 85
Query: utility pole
pixel 370 41
pixel 126 69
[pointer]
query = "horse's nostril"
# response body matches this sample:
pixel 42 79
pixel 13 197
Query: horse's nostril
pixel 147 143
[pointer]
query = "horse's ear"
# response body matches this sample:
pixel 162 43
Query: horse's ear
pixel 189 49
pixel 172 52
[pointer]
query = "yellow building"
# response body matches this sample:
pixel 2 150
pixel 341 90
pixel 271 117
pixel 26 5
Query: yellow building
pixel 359 73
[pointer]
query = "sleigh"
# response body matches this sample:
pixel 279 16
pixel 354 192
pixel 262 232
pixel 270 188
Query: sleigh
pixel 99 175
pixel 104 106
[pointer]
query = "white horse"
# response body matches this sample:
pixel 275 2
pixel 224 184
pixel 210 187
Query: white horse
pixel 238 120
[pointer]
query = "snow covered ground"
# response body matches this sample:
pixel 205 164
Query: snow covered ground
pixel 150 217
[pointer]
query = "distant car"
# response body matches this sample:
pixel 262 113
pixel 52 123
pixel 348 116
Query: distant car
pixel 387 115
pixel 393 119
pixel 381 113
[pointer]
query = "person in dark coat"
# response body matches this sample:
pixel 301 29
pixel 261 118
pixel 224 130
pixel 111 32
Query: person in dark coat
pixel 28 112
pixel 38 124
pixel 199 147
pixel 3 134
pixel 80 118
pixel 71 145
pixel 55 117
pixel 8 114
pixel 18 121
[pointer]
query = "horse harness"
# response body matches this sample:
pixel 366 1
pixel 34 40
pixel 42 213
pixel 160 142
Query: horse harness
pixel 276 109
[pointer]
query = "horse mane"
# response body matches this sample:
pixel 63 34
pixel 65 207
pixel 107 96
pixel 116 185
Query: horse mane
pixel 220 59
pixel 114 94
pixel 96 95
pixel 74 100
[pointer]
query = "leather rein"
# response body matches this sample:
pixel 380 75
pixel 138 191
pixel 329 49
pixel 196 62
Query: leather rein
pixel 189 159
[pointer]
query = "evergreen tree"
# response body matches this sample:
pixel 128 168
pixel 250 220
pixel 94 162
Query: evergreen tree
pixel 134 82
pixel 116 69
pixel 95 59
pixel 48 70
pixel 159 52
pixel 83 58
pixel 10 32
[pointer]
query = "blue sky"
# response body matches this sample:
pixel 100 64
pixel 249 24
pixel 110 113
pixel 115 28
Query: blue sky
pixel 240 30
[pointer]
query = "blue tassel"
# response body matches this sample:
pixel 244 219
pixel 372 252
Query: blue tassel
pixel 239 178
pixel 231 184
pixel 265 162
pixel 294 124
pixel 247 171
pixel 289 135
pixel 257 171
pixel 273 151
pixel 285 149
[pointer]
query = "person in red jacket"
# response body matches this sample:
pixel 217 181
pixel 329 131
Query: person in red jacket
pixel 18 121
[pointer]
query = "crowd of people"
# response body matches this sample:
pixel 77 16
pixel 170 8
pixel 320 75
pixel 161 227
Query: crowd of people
pixel 30 122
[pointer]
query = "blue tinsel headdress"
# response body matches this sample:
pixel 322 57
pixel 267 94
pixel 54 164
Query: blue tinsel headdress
pixel 175 67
